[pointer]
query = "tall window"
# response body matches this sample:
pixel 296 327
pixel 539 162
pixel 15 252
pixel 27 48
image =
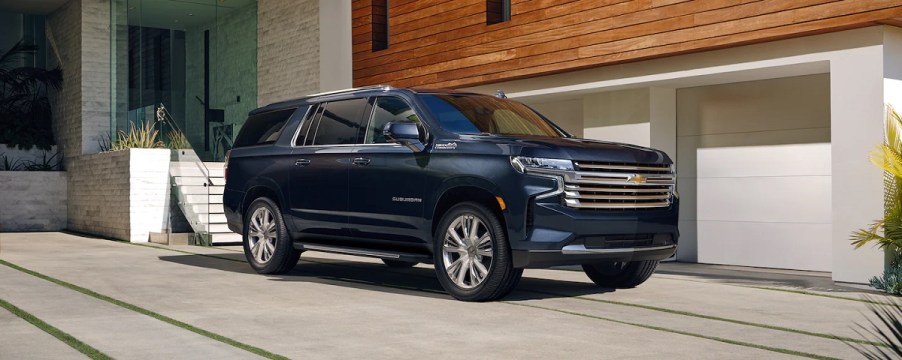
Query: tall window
pixel 380 25
pixel 497 11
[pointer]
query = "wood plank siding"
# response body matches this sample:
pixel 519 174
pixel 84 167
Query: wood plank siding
pixel 447 43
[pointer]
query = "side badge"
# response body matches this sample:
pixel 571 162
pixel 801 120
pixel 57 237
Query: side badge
pixel 446 146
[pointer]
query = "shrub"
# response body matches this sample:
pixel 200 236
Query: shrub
pixel 177 140
pixel 137 137
pixel 891 281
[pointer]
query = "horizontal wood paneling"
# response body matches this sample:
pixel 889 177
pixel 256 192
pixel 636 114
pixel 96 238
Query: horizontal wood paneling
pixel 448 44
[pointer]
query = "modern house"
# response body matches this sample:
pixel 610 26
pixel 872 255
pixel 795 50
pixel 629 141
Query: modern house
pixel 769 108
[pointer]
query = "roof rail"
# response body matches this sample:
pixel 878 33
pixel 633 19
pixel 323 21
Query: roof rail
pixel 371 87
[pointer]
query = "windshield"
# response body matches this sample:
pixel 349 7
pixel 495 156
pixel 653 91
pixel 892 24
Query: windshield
pixel 480 114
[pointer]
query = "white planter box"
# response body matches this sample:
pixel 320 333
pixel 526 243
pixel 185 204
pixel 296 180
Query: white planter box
pixel 120 194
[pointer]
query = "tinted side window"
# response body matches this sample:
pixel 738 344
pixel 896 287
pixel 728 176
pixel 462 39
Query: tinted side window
pixel 340 122
pixel 263 128
pixel 387 109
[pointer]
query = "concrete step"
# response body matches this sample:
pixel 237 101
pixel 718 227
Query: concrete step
pixel 217 218
pixel 218 228
pixel 214 165
pixel 225 238
pixel 195 189
pixel 201 199
pixel 216 172
pixel 206 208
pixel 190 180
pixel 218 181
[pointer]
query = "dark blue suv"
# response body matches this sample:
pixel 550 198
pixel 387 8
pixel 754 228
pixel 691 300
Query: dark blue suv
pixel 478 185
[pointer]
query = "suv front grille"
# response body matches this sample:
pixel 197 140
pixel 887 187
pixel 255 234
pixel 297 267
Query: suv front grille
pixel 600 185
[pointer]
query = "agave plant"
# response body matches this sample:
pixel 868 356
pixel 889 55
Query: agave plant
pixel 141 137
pixel 887 232
pixel 177 140
pixel 25 116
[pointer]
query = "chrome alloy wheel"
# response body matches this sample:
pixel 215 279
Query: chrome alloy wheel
pixel 467 251
pixel 261 235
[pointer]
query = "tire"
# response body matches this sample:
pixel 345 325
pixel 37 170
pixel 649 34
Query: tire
pixel 280 256
pixel 486 250
pixel 620 275
pixel 398 264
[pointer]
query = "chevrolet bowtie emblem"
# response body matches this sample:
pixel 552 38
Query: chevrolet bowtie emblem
pixel 637 179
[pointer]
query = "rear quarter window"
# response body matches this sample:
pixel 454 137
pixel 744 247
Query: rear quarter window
pixel 261 129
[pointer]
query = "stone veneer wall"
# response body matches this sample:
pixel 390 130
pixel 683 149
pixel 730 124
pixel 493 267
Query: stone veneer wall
pixel 78 34
pixel 122 194
pixel 287 50
pixel 32 200
pixel 233 72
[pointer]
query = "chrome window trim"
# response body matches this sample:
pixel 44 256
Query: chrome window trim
pixel 297 132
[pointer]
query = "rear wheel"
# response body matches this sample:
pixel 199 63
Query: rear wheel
pixel 267 246
pixel 398 264
pixel 473 258
pixel 613 274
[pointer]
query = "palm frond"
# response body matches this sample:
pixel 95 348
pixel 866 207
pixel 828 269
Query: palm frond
pixel 889 335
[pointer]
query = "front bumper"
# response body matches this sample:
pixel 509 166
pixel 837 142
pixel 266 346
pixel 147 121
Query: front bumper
pixel 561 235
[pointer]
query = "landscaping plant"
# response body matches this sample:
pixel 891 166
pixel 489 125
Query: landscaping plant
pixel 887 232
pixel 142 137
pixel 25 116
pixel 889 336
pixel 177 140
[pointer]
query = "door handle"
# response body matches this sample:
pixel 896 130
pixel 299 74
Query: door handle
pixel 361 161
pixel 302 162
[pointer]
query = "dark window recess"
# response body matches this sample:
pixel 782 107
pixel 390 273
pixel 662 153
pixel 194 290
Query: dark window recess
pixel 497 11
pixel 263 128
pixel 380 25
pixel 387 109
pixel 340 122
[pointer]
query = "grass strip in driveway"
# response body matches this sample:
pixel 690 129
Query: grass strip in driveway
pixel 658 328
pixel 76 344
pixel 604 301
pixel 717 318
pixel 143 311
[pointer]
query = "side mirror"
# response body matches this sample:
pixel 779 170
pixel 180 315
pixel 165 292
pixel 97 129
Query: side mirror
pixel 406 133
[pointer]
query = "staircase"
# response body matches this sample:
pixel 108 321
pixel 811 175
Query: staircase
pixel 198 187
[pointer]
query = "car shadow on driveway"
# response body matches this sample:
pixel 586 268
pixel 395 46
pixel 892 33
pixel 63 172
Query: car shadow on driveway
pixel 417 281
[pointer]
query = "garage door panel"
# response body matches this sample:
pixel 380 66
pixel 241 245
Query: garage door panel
pixel 688 147
pixel 773 245
pixel 798 199
pixel 774 160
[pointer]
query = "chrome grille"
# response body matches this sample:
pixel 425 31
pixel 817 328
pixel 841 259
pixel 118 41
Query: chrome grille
pixel 600 185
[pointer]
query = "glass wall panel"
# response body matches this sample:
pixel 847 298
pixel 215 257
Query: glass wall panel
pixel 197 59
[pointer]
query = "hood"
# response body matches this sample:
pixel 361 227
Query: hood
pixel 580 149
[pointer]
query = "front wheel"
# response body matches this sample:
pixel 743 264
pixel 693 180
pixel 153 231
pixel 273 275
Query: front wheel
pixel 267 246
pixel 620 275
pixel 472 255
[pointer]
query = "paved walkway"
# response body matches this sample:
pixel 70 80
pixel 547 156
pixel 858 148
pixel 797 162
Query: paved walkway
pixel 135 302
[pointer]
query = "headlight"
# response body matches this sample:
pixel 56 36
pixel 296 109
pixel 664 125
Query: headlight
pixel 521 163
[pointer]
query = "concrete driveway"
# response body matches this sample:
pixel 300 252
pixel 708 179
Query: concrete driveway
pixel 148 302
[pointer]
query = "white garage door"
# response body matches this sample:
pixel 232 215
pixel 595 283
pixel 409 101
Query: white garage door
pixel 753 162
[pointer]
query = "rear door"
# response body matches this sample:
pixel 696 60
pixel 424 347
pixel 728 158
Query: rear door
pixel 387 180
pixel 319 176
